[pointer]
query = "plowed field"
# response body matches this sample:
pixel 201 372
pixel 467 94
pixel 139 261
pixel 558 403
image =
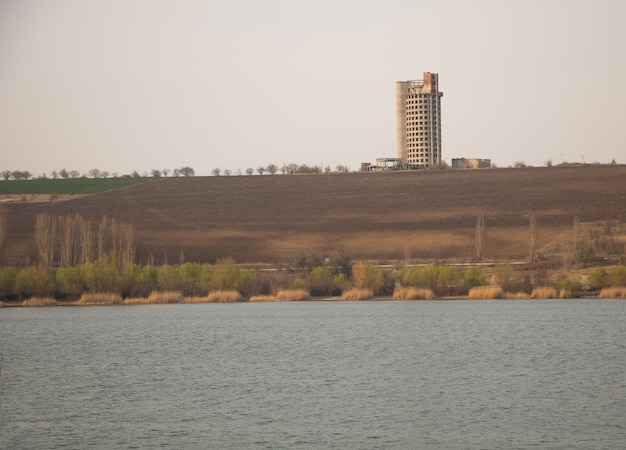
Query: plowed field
pixel 363 216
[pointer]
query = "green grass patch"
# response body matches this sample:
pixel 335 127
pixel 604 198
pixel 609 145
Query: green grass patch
pixel 68 186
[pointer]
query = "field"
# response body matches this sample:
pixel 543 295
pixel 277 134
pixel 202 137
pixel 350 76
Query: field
pixel 77 186
pixel 385 217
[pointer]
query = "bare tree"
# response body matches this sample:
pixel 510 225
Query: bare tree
pixel 228 172
pixel 187 171
pixel 216 172
pixel 272 169
pixel 249 171
pixel 95 173
pixel 66 240
pixel 74 174
pixel 260 170
pixel 479 237
pixel 45 236
pixel 6 174
pixel 533 237
pixel 155 173
pixel 105 174
pixel 85 239
pixel 165 172
pixel 128 245
pixel 103 240
pixel 3 227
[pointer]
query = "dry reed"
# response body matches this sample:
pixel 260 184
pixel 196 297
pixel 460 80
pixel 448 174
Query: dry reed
pixel 412 293
pixel 357 294
pixel 613 292
pixel 196 299
pixel 263 298
pixel 136 301
pixel 100 298
pixel 544 292
pixel 165 297
pixel 486 293
pixel 292 295
pixel 39 301
pixel 224 296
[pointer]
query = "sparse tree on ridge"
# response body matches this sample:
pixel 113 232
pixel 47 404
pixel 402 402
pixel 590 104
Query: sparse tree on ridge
pixel 6 174
pixel 95 173
pixel 228 172
pixel 165 172
pixel 249 171
pixel 155 173
pixel 216 171
pixel 187 171
pixel 64 174
pixel 260 170
pixel 74 174
pixel 272 169
pixel 105 174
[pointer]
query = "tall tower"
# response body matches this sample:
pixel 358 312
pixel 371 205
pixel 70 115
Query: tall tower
pixel 418 120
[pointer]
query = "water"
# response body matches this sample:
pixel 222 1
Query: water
pixel 441 375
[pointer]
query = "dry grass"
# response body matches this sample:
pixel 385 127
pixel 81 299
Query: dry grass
pixel 136 301
pixel 226 296
pixel 263 298
pixel 614 292
pixel 39 301
pixel 292 295
pixel 544 292
pixel 204 299
pixel 100 298
pixel 486 293
pixel 165 297
pixel 357 294
pixel 412 293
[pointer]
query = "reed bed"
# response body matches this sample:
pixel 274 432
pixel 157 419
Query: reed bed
pixel 357 294
pixel 486 293
pixel 613 292
pixel 165 297
pixel 100 298
pixel 292 295
pixel 196 299
pixel 39 301
pixel 136 301
pixel 544 292
pixel 263 298
pixel 412 293
pixel 224 296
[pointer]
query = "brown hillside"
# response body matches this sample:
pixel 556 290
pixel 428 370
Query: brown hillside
pixel 373 216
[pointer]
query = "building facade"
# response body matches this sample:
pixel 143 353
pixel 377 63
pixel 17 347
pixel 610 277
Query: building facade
pixel 418 120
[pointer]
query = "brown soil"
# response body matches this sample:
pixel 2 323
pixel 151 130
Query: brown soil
pixel 363 216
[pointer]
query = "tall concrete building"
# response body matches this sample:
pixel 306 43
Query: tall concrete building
pixel 418 119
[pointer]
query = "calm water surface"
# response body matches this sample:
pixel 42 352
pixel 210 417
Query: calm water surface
pixel 443 375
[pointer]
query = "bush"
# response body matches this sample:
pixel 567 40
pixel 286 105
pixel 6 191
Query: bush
pixel 615 292
pixel 293 295
pixel 357 294
pixel 39 301
pixel 412 293
pixel 486 293
pixel 224 296
pixel 8 278
pixel 367 276
pixel 100 298
pixel 544 293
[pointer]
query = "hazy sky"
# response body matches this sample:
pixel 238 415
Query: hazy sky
pixel 123 85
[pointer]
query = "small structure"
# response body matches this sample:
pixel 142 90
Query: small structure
pixel 470 163
pixel 386 164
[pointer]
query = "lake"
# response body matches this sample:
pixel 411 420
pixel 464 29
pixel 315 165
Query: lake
pixel 437 374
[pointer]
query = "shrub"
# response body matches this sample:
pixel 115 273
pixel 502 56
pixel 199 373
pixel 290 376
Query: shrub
pixel 165 297
pixel 357 294
pixel 367 276
pixel 293 295
pixel 412 293
pixel 486 293
pixel 39 301
pixel 100 298
pixel 263 298
pixel 569 288
pixel 617 276
pixel 224 296
pixel 616 292
pixel 544 293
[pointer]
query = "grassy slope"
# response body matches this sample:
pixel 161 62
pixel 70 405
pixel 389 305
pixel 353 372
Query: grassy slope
pixel 373 216
pixel 67 186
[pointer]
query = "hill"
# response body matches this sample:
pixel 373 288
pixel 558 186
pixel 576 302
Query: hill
pixel 429 215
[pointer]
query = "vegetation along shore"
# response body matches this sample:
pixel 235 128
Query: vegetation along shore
pixel 552 232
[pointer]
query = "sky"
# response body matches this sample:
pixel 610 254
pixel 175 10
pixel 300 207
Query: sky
pixel 135 85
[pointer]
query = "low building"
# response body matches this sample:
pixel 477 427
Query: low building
pixel 470 163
